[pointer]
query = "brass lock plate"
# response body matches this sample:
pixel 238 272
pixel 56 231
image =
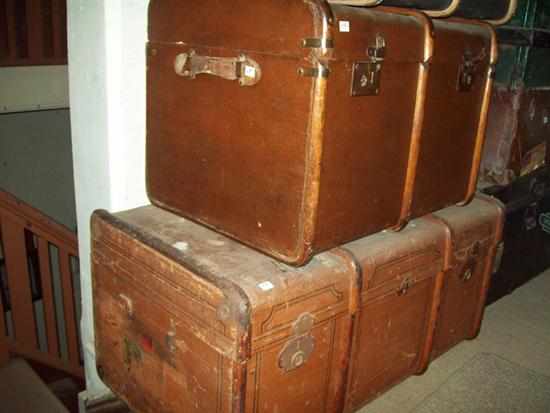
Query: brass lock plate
pixel 466 77
pixel 366 78
pixel 468 70
pixel 297 351
pixel 405 286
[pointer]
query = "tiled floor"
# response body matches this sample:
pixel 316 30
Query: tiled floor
pixel 516 328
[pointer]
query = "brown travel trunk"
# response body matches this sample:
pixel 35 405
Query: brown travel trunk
pixel 188 320
pixel 534 129
pixel 402 275
pixel 455 119
pixel 367 3
pixel 292 126
pixel 496 12
pixel 475 232
pixel 433 8
pixel 501 160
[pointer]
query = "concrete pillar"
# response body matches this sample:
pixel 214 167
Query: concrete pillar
pixel 107 98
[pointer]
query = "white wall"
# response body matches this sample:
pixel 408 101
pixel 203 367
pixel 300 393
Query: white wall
pixel 36 162
pixel 107 96
pixel 33 88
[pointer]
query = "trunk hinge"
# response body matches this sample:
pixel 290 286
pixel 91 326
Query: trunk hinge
pixel 317 43
pixel 321 46
pixel 319 71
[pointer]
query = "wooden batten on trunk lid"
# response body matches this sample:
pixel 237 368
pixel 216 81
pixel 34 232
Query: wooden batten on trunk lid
pixel 189 320
pixel 279 135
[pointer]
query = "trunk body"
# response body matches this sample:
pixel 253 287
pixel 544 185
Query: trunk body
pixel 501 160
pixel 302 157
pixel 534 129
pixel 518 136
pixel 188 320
pixel 455 120
pixel 367 3
pixel 475 233
pixel 531 14
pixel 526 232
pixel 497 12
pixel 402 275
pixel 537 74
pixel 525 65
pixel 434 8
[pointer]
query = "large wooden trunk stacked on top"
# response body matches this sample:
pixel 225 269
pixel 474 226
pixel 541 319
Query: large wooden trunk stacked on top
pixel 305 250
pixel 330 125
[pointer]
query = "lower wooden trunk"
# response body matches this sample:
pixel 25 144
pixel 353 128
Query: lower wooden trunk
pixel 475 234
pixel 189 321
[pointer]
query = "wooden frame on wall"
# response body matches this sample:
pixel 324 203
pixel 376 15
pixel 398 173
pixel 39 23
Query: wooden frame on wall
pixel 33 32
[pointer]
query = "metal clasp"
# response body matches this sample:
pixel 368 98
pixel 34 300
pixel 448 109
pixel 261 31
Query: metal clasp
pixel 297 351
pixel 467 70
pixel 321 71
pixel 467 274
pixel 241 68
pixel 405 286
pixel 366 75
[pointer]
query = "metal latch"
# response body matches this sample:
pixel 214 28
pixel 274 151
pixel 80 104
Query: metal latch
pixel 242 68
pixel 498 257
pixel 297 351
pixel 320 71
pixel 466 76
pixel 318 43
pixel 366 75
pixel 467 274
pixel 467 70
pixel 544 221
pixel 405 286
pixel 530 217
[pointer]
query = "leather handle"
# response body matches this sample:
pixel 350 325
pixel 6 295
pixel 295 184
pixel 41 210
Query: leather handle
pixel 241 68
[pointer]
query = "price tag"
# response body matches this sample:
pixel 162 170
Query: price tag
pixel 344 26
pixel 250 71
pixel 266 286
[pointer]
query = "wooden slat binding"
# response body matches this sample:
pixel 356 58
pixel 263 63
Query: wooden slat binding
pixel 13 236
pixel 47 32
pixel 42 226
pixel 48 297
pixel 59 28
pixel 4 45
pixel 34 30
pixel 12 37
pixel 69 305
pixel 4 350
pixel 2 308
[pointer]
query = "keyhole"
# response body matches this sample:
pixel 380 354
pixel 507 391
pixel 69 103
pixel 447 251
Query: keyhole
pixel 364 81
pixel 298 359
pixel 467 275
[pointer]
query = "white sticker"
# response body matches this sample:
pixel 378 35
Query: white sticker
pixel 181 245
pixel 344 26
pixel 250 71
pixel 266 286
